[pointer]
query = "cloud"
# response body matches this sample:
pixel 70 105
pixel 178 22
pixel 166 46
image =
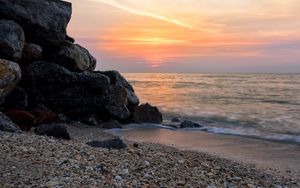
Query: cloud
pixel 122 6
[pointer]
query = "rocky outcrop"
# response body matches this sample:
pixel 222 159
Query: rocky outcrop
pixel 12 40
pixel 109 144
pixel 7 125
pixel 146 113
pixel 23 119
pixel 74 57
pixel 44 22
pixel 10 75
pixel 55 130
pixel 63 91
pixel 58 74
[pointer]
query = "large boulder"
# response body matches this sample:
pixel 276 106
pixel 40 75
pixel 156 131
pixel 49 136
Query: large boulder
pixel 23 119
pixel 7 124
pixel 16 100
pixel 10 75
pixel 122 95
pixel 44 115
pixel 32 52
pixel 146 113
pixel 189 124
pixel 74 57
pixel 55 130
pixel 117 80
pixel 73 94
pixel 109 144
pixel 44 22
pixel 11 40
pixel 116 103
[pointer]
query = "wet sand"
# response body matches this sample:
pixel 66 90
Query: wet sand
pixel 277 158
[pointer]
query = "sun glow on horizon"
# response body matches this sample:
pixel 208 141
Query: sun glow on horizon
pixel 162 34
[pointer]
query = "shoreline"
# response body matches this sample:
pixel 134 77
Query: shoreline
pixel 278 158
pixel 30 160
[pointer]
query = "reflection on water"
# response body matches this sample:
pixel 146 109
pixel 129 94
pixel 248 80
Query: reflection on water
pixel 249 103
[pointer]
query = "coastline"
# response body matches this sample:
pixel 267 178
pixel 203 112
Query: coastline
pixel 31 160
pixel 279 158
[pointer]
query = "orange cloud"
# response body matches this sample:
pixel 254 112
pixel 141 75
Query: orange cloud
pixel 157 42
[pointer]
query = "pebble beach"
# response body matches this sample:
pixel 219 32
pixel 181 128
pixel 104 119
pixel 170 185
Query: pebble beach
pixel 29 160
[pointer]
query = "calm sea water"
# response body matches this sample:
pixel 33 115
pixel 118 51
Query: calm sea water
pixel 257 105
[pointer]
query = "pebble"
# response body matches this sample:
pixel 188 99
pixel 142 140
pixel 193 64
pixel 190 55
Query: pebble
pixel 118 178
pixel 125 171
pixel 73 164
pixel 180 161
pixel 52 183
pixel 146 163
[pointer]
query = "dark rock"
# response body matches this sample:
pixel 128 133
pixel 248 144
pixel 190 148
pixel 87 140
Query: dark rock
pixel 23 119
pixel 11 40
pixel 117 81
pixel 109 144
pixel 70 39
pixel 44 22
pixel 64 119
pixel 7 124
pixel 189 124
pixel 32 52
pixel 10 75
pixel 74 57
pixel 136 145
pixel 175 120
pixel 90 119
pixel 110 124
pixel 55 130
pixel 116 103
pixel 73 94
pixel 146 113
pixel 16 100
pixel 121 97
pixel 45 116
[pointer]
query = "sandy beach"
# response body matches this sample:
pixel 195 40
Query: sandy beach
pixel 28 160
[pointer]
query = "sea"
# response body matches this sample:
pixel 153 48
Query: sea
pixel 263 106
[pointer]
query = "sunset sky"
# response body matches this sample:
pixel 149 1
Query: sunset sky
pixel 190 35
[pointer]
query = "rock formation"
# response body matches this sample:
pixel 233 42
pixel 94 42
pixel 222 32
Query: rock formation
pixel 57 73
pixel 44 22
pixel 55 130
pixel 146 113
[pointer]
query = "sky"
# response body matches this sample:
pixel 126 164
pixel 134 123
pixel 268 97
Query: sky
pixel 190 35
